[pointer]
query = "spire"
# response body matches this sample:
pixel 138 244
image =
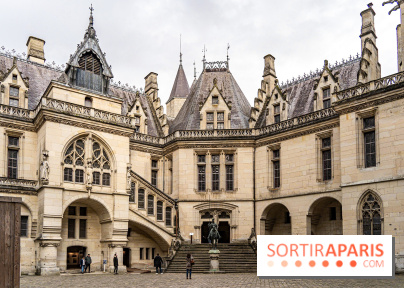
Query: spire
pixel 90 33
pixel 180 88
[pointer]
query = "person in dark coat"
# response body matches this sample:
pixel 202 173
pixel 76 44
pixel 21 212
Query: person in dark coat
pixel 158 261
pixel 115 264
pixel 88 263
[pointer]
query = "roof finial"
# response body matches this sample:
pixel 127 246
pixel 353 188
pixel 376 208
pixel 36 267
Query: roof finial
pixel 194 70
pixel 228 47
pixel 91 15
pixel 90 31
pixel 180 52
pixel 204 59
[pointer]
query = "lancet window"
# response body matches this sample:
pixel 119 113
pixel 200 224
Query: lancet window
pixel 371 215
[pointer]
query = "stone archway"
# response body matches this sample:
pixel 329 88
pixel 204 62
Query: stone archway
pixel 86 225
pixel 276 220
pixel 325 217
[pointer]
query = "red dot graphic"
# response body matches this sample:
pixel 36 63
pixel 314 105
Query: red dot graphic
pixel 325 263
pixel 339 263
pixel 312 263
pixel 353 263
pixel 298 263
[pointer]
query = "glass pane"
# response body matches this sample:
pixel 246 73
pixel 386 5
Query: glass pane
pixel 201 158
pixel 220 116
pixel 377 224
pixel 215 158
pixel 209 126
pixel 277 109
pixel 13 102
pixel 369 122
pixel 14 92
pixel 229 157
pixel 220 125
pixel 209 116
pixel 366 225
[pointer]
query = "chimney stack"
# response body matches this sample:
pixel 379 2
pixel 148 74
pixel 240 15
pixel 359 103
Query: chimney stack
pixel 269 72
pixel 35 51
pixel 369 66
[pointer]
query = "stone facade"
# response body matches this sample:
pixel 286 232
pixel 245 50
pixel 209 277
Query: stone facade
pixel 101 169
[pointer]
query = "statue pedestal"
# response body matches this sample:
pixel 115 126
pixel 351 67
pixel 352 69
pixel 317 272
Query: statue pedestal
pixel 214 261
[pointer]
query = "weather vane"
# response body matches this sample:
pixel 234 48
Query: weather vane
pixel 91 9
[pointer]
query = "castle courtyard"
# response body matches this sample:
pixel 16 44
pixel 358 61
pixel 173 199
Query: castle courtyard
pixel 198 280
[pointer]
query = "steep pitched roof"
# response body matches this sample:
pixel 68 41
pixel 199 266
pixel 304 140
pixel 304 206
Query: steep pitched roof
pixel 301 93
pixel 180 88
pixel 188 117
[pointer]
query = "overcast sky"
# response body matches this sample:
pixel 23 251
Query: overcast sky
pixel 143 36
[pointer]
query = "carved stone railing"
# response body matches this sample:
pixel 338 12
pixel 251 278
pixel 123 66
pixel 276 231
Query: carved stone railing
pixel 4 181
pixel 146 138
pixel 286 125
pixel 155 190
pixel 82 111
pixel 370 86
pixel 16 112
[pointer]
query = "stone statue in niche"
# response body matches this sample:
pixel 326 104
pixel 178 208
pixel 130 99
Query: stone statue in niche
pixel 128 178
pixel 89 174
pixel 44 168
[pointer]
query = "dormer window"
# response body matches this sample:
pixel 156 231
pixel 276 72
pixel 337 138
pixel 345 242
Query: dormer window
pixel 89 73
pixel 215 100
pixel 326 98
pixel 88 102
pixel 277 113
pixel 210 121
pixel 14 96
pixel 220 120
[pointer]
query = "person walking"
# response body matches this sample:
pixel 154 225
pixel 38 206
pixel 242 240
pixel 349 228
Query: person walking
pixel 190 262
pixel 115 264
pixel 82 264
pixel 158 261
pixel 88 263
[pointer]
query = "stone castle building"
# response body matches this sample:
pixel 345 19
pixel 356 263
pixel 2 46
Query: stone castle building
pixel 101 168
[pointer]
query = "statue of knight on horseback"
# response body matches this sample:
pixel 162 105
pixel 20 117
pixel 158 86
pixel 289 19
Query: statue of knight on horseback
pixel 214 235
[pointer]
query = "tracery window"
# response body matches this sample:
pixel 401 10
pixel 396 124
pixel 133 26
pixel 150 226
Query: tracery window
pixel 101 165
pixel 371 216
pixel 74 162
pixel 75 166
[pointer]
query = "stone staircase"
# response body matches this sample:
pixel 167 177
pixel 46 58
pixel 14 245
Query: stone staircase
pixel 234 258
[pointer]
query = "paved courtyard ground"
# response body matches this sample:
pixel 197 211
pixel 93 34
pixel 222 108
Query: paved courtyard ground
pixel 198 280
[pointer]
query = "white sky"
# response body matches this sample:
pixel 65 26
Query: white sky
pixel 143 36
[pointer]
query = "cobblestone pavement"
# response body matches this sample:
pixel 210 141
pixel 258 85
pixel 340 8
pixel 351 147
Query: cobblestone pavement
pixel 198 280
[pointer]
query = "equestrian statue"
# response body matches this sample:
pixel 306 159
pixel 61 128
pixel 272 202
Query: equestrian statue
pixel 214 235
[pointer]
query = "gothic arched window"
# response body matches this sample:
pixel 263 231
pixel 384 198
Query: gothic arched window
pixel 101 165
pixel 74 162
pixel 89 73
pixel 371 215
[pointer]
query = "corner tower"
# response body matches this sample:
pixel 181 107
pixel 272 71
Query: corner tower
pixel 179 92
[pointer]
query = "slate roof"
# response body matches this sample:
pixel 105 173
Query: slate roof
pixel 301 94
pixel 188 117
pixel 180 88
pixel 40 77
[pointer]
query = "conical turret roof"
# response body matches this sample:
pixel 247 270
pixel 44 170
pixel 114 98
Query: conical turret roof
pixel 180 87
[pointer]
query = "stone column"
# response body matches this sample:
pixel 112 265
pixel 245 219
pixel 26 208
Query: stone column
pixel 118 249
pixel 48 258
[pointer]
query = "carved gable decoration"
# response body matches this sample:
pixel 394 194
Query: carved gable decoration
pixel 139 113
pixel 325 86
pixel 14 87
pixel 215 111
pixel 278 106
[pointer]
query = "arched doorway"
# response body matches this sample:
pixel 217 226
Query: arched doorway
pixel 85 224
pixel 74 254
pixel 276 220
pixel 325 217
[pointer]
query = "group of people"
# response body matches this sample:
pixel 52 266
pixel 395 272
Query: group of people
pixel 85 263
